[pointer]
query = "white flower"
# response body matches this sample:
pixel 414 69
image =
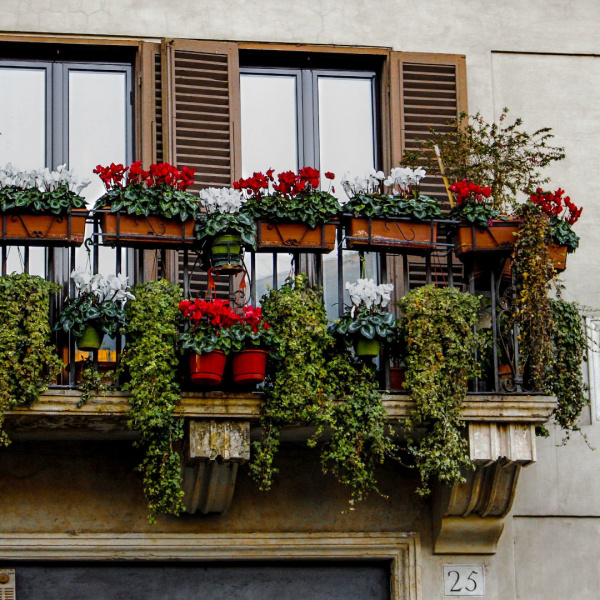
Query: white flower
pixel 367 292
pixel 221 200
pixel 42 179
pixel 113 287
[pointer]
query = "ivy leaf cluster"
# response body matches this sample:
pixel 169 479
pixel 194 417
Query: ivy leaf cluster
pixel 316 383
pixel 438 329
pixel 28 361
pixel 532 269
pixel 156 201
pixel 312 208
pixel 60 201
pixel 151 360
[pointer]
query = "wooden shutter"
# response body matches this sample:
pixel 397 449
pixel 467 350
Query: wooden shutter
pixel 426 90
pixel 201 109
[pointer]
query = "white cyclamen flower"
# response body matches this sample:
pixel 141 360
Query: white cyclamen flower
pixel 221 200
pixel 367 292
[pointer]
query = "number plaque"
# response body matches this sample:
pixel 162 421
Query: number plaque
pixel 464 580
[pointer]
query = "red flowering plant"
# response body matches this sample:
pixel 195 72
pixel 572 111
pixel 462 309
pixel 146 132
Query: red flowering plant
pixel 290 197
pixel 252 332
pixel 209 325
pixel 474 203
pixel 160 191
pixel 562 213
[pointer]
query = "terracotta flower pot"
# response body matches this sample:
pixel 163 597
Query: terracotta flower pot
pixel 207 369
pixel 290 237
pixel 128 230
pixel 367 348
pixel 397 378
pixel 416 235
pixel 91 339
pixel 249 366
pixel 44 229
pixel 498 238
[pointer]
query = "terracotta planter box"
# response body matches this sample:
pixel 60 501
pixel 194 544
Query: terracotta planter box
pixel 499 238
pixel 44 229
pixel 295 237
pixel 558 256
pixel 129 230
pixel 361 232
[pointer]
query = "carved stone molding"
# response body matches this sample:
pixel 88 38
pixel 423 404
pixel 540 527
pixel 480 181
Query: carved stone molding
pixel 469 517
pixel 212 454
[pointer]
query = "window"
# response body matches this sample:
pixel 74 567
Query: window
pixel 64 112
pixel 304 116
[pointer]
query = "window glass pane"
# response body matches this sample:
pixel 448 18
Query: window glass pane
pixel 97 135
pixel 23 117
pixel 269 127
pixel 347 143
pixel 269 140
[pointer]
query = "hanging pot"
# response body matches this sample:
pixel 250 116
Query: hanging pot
pixel 367 348
pixel 91 339
pixel 249 366
pixel 226 251
pixel 207 369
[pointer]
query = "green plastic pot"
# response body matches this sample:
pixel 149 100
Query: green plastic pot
pixel 91 339
pixel 226 250
pixel 367 348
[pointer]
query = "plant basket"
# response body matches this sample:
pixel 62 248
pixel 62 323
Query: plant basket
pixel 363 232
pixel 129 230
pixel 207 369
pixel 226 253
pixel 91 339
pixel 294 237
pixel 44 229
pixel 249 367
pixel 367 348
pixel 498 238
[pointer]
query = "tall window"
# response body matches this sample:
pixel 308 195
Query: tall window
pixel 73 113
pixel 299 117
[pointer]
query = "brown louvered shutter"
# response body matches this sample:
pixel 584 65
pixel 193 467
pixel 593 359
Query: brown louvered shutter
pixel 201 109
pixel 426 90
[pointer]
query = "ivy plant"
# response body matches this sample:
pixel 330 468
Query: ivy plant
pixel 316 383
pixel 437 326
pixel 28 361
pixel 151 361
pixel 569 345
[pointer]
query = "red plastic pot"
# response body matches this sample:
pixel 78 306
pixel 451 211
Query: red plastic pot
pixel 207 369
pixel 249 366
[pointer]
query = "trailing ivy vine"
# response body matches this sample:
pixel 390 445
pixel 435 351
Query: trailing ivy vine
pixel 438 329
pixel 569 345
pixel 533 270
pixel 151 360
pixel 317 384
pixel 28 362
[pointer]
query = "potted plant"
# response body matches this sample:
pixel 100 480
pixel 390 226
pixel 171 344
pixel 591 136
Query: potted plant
pixel 226 229
pixel 97 310
pixel 207 338
pixel 562 214
pixel 252 340
pixel 292 213
pixel 365 324
pixel 42 207
pixel 402 218
pixel 147 207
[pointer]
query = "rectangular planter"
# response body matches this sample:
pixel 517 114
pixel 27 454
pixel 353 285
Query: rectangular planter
pixel 44 229
pixel 129 230
pixel 498 238
pixel 363 232
pixel 295 237
pixel 558 256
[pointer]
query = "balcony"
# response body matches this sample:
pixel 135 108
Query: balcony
pixel 500 412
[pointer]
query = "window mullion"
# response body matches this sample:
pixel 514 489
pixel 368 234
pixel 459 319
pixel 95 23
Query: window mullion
pixel 309 120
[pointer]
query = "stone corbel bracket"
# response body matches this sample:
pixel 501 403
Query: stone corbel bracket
pixel 469 517
pixel 212 454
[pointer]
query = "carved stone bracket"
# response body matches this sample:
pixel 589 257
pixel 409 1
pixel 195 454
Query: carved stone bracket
pixel 469 517
pixel 212 454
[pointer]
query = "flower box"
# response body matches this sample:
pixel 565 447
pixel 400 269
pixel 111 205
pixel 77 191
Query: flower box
pixel 498 238
pixel 291 237
pixel 44 229
pixel 130 230
pixel 362 231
